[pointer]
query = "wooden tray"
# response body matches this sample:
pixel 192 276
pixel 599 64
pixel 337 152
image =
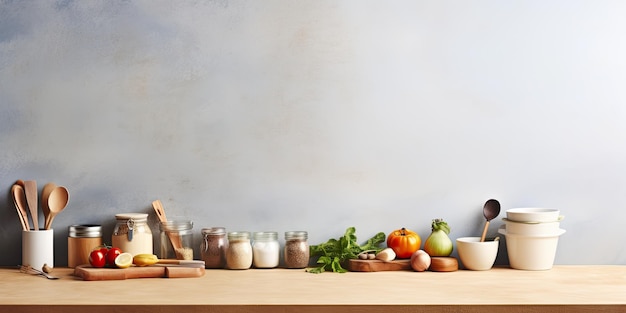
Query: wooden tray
pixel 358 265
pixel 87 272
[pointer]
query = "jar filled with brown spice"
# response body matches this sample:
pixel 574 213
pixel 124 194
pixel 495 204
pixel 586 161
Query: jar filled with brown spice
pixel 213 247
pixel 296 249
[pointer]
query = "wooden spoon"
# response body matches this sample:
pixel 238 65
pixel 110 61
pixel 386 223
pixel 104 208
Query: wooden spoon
pixel 175 239
pixel 490 211
pixel 19 199
pixel 30 188
pixel 45 194
pixel 59 197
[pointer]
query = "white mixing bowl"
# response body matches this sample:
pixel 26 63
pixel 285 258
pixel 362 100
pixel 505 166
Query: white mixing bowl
pixel 476 255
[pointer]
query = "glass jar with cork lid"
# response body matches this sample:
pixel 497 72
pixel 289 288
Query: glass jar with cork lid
pixel 132 233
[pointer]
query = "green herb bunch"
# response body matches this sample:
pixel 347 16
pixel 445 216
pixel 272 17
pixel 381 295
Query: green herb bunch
pixel 335 252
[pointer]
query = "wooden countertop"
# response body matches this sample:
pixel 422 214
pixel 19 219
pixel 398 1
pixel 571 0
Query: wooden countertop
pixel 561 289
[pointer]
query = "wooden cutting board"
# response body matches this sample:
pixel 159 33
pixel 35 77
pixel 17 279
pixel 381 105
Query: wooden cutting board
pixel 358 265
pixel 87 272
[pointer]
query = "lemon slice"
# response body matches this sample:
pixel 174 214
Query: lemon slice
pixel 124 260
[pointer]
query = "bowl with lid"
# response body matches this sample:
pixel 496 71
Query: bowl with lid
pixel 533 215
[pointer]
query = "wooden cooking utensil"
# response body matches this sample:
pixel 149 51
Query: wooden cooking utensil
pixel 19 199
pixel 175 239
pixel 59 197
pixel 490 211
pixel 30 188
pixel 45 194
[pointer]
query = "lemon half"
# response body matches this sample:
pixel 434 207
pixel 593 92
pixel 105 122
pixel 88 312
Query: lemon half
pixel 124 260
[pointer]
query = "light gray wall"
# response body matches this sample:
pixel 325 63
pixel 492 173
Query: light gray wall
pixel 319 115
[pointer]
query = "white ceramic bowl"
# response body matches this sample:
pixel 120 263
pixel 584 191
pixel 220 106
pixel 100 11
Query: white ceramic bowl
pixel 534 253
pixel 530 228
pixel 476 255
pixel 533 215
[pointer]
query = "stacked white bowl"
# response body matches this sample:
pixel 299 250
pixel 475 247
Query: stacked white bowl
pixel 532 235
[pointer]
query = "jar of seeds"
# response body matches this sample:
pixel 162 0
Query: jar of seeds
pixel 239 253
pixel 213 247
pixel 296 249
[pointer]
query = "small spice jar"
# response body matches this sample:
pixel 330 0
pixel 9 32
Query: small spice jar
pixel 176 240
pixel 132 234
pixel 239 253
pixel 265 249
pixel 81 240
pixel 213 247
pixel 296 249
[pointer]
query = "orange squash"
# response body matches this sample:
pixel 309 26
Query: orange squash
pixel 404 242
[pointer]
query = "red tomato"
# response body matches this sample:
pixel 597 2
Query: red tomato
pixel 97 258
pixel 112 254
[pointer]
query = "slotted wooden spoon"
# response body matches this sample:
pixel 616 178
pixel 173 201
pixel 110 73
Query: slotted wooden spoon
pixel 30 188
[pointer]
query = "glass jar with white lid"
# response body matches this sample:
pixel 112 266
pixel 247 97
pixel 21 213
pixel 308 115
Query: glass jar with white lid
pixel 132 233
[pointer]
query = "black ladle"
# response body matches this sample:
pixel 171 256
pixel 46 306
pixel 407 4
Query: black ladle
pixel 490 211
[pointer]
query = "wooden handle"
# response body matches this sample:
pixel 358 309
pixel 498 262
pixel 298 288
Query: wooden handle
pixel 30 188
pixel 18 199
pixel 184 263
pixel 177 242
pixel 482 238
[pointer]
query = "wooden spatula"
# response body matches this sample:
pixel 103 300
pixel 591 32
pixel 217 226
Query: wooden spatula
pixel 30 188
pixel 177 243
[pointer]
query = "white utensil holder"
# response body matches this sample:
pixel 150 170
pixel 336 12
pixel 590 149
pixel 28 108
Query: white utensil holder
pixel 38 248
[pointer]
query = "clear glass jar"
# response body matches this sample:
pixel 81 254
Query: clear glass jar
pixel 213 247
pixel 265 249
pixel 132 234
pixel 176 240
pixel 81 240
pixel 239 253
pixel 296 249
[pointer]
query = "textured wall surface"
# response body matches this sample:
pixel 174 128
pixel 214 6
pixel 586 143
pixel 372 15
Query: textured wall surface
pixel 319 115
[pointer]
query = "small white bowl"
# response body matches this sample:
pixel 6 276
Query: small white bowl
pixel 476 255
pixel 530 228
pixel 533 215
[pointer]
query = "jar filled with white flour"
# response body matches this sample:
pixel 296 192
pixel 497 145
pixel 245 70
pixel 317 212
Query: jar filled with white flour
pixel 132 234
pixel 265 249
pixel 239 252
